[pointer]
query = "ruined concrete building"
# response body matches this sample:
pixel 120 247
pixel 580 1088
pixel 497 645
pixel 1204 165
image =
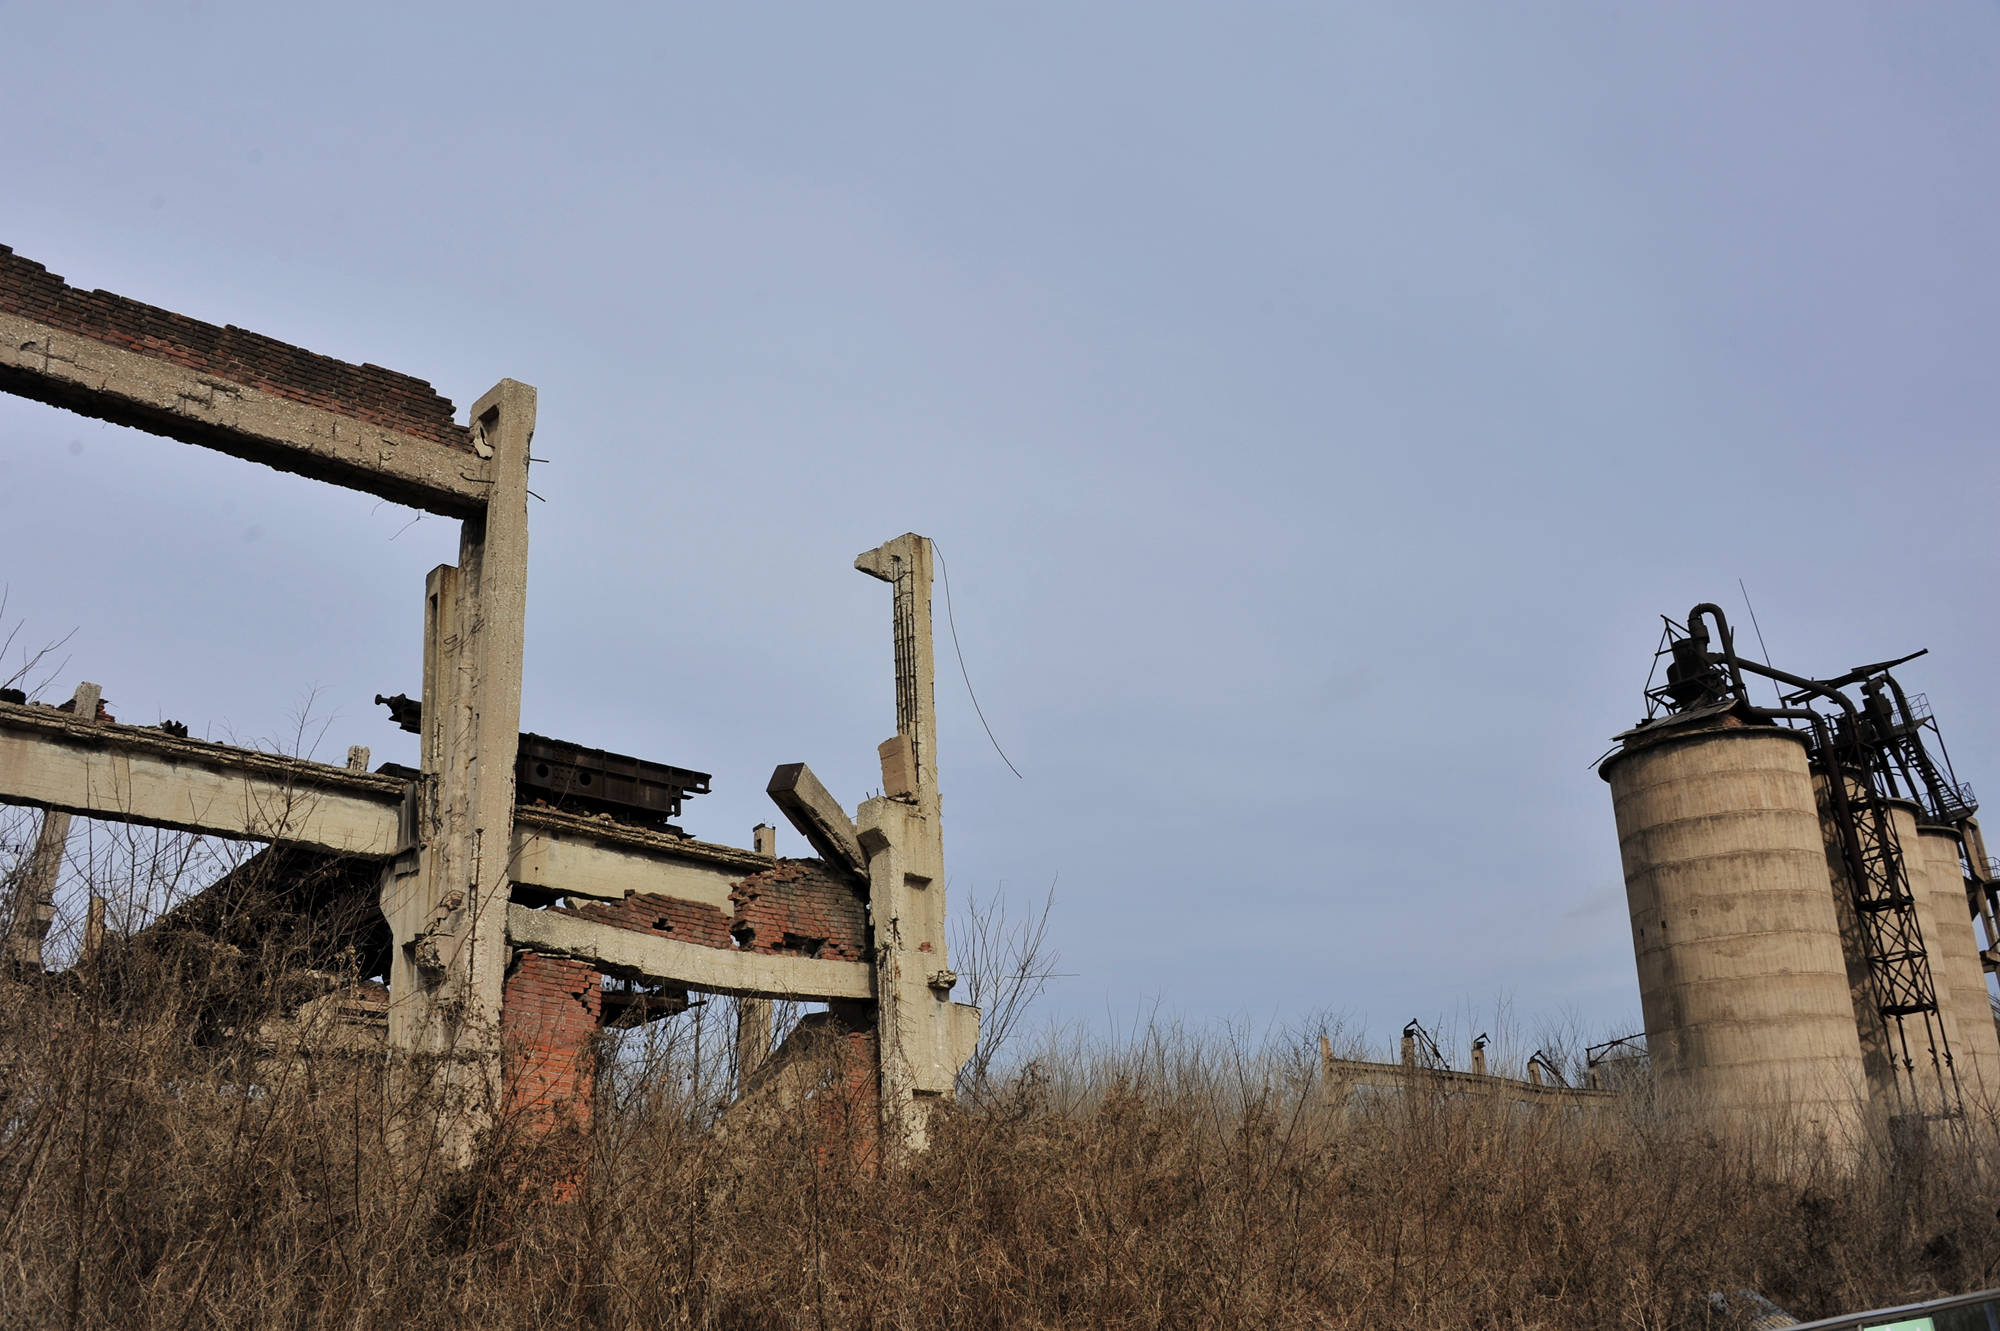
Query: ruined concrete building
pixel 495 919
pixel 1809 888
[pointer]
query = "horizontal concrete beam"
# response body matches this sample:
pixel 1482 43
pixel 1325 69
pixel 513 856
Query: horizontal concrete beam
pixel 669 961
pixel 130 388
pixel 813 810
pixel 134 774
pixel 50 760
pixel 591 857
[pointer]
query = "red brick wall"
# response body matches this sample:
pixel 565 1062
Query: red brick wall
pixel 851 1119
pixel 549 1015
pixel 669 917
pixel 801 907
pixel 365 392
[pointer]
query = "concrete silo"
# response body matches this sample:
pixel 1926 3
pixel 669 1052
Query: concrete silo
pixel 1930 1035
pixel 1749 1014
pixel 1951 942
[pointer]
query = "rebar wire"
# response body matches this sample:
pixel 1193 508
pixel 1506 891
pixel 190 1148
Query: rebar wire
pixel 952 620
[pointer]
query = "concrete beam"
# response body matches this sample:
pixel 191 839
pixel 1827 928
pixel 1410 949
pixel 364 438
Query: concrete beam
pixel 34 897
pixel 669 961
pixel 587 857
pixel 448 913
pixel 50 760
pixel 818 816
pixel 130 388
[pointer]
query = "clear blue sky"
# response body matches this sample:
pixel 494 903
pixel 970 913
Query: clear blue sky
pixel 1316 405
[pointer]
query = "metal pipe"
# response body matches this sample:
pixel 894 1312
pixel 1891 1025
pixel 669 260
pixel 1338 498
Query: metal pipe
pixel 1728 656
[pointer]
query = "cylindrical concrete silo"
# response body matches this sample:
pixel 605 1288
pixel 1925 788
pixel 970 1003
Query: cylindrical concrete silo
pixel 1953 946
pixel 1749 1019
pixel 1935 1086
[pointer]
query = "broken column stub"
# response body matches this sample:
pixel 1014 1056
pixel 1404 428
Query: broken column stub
pixel 924 1037
pixel 33 910
pixel 899 768
pixel 446 899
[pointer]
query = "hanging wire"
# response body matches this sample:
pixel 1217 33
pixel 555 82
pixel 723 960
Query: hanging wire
pixel 953 622
pixel 1760 637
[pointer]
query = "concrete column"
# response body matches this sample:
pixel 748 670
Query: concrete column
pixel 905 564
pixel 753 1015
pixel 925 1038
pixel 447 902
pixel 93 928
pixel 33 908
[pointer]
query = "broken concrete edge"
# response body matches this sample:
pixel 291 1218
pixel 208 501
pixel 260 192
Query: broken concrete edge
pixel 819 818
pixel 63 369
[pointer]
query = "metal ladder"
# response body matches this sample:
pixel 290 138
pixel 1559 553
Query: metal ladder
pixel 1892 937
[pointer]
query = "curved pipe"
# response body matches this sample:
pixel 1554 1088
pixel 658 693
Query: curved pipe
pixel 1698 632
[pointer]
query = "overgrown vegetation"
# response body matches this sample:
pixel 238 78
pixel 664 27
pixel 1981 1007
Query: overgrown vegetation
pixel 163 1167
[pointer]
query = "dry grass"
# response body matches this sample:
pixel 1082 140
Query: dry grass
pixel 157 1169
pixel 152 1174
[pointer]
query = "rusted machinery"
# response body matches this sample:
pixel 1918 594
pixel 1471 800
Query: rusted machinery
pixel 574 776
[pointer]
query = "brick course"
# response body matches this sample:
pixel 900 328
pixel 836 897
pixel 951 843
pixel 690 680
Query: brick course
pixel 850 1116
pixel 549 1015
pixel 668 917
pixel 364 392
pixel 801 907
pixel 798 908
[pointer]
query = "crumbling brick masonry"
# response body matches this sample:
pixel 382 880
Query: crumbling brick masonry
pixel 365 392
pixel 548 1035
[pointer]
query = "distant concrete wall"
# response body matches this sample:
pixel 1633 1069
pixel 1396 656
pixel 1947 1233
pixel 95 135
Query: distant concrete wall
pixel 1343 1079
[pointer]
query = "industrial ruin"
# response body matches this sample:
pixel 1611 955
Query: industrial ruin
pixel 1808 883
pixel 1809 890
pixel 513 894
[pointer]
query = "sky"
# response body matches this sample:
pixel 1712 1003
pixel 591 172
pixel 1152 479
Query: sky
pixel 1315 405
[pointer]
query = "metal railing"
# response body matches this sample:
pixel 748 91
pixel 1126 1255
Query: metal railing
pixel 1965 1312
